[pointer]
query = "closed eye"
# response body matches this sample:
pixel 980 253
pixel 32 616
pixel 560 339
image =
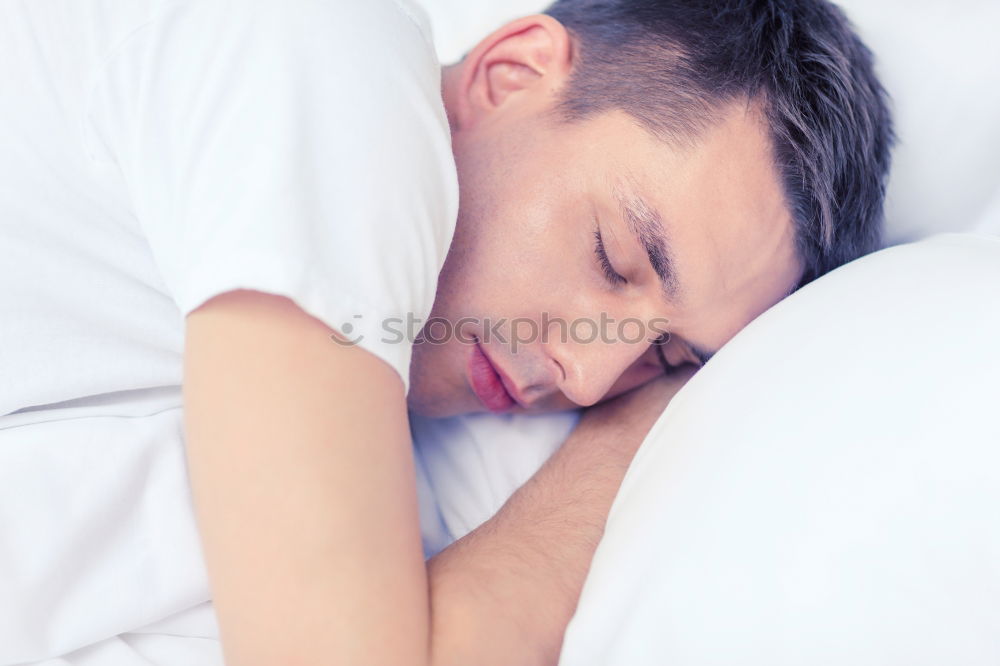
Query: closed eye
pixel 614 277
pixel 661 343
pixel 658 345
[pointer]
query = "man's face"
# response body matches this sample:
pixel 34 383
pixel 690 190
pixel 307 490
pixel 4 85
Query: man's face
pixel 584 241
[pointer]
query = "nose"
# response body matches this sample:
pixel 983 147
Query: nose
pixel 587 370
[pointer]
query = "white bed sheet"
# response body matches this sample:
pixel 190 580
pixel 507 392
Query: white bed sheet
pixel 100 563
pixel 188 638
pixel 97 535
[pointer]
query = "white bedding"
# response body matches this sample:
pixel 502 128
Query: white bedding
pixel 99 556
pixel 128 588
pixel 97 536
pixel 826 490
pixel 847 514
pixel 187 638
pixel 474 463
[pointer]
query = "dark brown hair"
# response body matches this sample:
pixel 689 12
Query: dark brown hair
pixel 673 64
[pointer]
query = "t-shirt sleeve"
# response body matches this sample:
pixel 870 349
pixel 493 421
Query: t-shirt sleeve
pixel 297 147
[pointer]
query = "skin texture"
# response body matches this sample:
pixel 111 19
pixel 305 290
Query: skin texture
pixel 302 474
pixel 301 468
pixel 534 190
pixel 299 449
pixel 504 593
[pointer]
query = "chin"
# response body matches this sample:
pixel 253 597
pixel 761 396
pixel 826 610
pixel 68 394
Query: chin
pixel 437 387
pixel 433 399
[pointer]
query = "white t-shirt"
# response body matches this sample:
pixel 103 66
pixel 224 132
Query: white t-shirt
pixel 153 154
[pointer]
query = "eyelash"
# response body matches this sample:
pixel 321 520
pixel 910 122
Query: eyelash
pixel 613 276
pixel 668 367
pixel 658 346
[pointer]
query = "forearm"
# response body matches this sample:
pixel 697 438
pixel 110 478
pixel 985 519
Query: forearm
pixel 505 593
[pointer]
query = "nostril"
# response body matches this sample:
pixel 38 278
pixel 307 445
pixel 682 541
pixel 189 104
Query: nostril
pixel 560 371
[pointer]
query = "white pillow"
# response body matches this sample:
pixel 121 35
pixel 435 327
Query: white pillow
pixel 939 62
pixel 827 489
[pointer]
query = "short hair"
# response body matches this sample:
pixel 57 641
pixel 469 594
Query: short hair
pixel 674 64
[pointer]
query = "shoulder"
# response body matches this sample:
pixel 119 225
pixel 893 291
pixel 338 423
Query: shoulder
pixel 355 29
pixel 369 61
pixel 363 47
pixel 358 27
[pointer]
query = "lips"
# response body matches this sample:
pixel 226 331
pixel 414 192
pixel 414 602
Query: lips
pixel 487 383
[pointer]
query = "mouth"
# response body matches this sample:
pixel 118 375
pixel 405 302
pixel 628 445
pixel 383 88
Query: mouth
pixel 487 383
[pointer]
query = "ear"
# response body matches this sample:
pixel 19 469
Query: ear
pixel 524 59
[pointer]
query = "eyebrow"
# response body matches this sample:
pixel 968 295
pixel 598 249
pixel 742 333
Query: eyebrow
pixel 646 224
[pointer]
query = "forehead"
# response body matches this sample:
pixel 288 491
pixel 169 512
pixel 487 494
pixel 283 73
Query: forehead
pixel 723 213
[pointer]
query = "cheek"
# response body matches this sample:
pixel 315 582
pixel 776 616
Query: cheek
pixel 523 240
pixel 481 279
pixel 512 262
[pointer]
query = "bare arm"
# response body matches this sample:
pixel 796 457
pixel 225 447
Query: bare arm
pixel 505 593
pixel 301 467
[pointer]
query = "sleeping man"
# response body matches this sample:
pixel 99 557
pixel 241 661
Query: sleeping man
pixel 263 204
